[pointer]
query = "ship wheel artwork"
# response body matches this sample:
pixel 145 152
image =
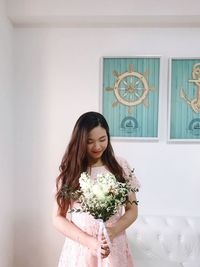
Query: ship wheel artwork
pixel 131 88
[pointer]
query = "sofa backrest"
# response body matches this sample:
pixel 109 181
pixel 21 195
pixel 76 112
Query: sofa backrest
pixel 165 241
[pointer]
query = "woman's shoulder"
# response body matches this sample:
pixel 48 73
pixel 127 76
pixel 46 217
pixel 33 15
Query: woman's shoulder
pixel 124 164
pixel 122 161
pixel 129 172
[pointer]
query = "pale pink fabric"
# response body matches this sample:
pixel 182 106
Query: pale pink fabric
pixel 75 255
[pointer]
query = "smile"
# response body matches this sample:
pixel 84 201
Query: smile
pixel 96 152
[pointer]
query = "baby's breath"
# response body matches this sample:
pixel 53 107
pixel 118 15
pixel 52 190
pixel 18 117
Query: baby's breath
pixel 103 196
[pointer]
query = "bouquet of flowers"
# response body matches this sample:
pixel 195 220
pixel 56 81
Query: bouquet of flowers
pixel 103 196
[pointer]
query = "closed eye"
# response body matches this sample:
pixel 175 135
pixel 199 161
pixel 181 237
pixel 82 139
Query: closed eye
pixel 101 139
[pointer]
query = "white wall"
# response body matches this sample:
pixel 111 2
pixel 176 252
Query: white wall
pixel 6 141
pixel 57 77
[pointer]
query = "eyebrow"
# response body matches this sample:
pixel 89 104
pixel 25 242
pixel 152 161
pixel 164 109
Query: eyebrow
pixel 104 136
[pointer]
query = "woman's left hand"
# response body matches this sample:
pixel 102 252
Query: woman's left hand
pixel 111 232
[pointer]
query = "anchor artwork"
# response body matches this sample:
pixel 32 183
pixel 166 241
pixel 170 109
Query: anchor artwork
pixel 195 102
pixel 184 124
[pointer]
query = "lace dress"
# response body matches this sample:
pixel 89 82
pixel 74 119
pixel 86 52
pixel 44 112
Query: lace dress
pixel 75 255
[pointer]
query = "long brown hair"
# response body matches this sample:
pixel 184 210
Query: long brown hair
pixel 75 160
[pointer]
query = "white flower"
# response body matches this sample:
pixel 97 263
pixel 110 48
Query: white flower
pixel 103 196
pixel 85 182
pixel 98 191
pixel 106 188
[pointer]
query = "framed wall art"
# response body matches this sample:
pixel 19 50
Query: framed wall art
pixel 184 100
pixel 130 96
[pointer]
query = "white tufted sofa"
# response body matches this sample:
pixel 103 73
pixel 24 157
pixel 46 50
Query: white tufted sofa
pixel 165 241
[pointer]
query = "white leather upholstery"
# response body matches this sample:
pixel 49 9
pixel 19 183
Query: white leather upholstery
pixel 165 241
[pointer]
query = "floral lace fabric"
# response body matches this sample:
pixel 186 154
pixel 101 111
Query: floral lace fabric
pixel 75 255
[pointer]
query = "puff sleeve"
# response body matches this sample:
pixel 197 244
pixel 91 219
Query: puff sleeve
pixel 129 173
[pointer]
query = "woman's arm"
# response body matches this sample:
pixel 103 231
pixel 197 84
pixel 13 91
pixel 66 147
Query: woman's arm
pixel 70 230
pixel 130 215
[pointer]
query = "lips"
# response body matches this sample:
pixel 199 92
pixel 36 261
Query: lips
pixel 96 152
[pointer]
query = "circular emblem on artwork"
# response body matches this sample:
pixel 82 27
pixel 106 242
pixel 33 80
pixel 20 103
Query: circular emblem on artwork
pixel 129 124
pixel 194 127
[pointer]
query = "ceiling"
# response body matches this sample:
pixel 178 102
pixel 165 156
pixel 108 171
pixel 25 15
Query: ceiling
pixel 104 13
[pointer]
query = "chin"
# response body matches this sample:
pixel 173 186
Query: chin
pixel 98 156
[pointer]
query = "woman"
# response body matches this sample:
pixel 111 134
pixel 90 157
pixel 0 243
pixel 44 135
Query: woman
pixel 90 151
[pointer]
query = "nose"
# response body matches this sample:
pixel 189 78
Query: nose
pixel 97 146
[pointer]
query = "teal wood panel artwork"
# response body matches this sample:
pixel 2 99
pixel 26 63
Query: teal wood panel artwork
pixel 131 96
pixel 185 99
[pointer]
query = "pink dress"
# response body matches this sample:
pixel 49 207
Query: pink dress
pixel 75 255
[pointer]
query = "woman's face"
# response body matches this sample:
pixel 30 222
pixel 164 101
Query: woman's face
pixel 96 143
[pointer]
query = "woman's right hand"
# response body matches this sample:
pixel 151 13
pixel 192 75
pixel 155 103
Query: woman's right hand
pixel 105 250
pixel 95 244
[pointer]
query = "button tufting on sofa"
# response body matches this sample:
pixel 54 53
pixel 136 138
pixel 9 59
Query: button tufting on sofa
pixel 165 241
